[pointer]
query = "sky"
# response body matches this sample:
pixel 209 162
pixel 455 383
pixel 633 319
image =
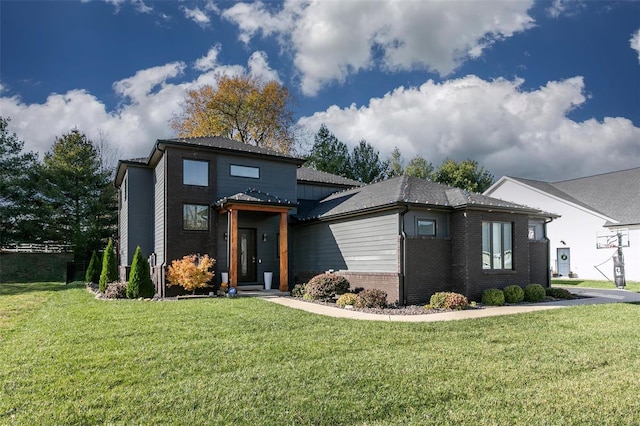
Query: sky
pixel 540 90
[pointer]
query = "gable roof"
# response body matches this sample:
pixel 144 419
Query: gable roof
pixel 404 191
pixel 255 196
pixel 615 195
pixel 309 175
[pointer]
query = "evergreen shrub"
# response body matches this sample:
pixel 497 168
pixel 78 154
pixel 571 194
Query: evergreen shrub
pixel 140 283
pixel 109 267
pixel 371 298
pixel 513 294
pixel 534 293
pixel 493 297
pixel 326 286
pixel 559 293
pixel 347 299
pixel 93 271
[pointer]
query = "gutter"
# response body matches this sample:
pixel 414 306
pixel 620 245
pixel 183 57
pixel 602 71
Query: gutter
pixel 403 257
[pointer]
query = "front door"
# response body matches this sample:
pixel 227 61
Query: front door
pixel 564 261
pixel 247 271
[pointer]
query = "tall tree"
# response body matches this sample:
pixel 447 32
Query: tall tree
pixel 466 175
pixel 242 108
pixel 329 154
pixel 395 162
pixel 79 199
pixel 16 186
pixel 419 167
pixel 366 166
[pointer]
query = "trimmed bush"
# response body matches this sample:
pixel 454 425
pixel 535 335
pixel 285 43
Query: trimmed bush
pixel 371 298
pixel 448 300
pixel 559 293
pixel 93 271
pixel 116 290
pixel 534 293
pixel 298 290
pixel 326 286
pixel 513 294
pixel 140 284
pixel 493 297
pixel 347 299
pixel 109 272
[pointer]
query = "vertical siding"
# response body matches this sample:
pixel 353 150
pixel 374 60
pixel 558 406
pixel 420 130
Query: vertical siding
pixel 140 205
pixel 124 221
pixel 316 192
pixel 159 210
pixel 276 178
pixel 364 244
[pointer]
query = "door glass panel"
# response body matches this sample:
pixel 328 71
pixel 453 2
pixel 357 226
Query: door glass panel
pixel 244 256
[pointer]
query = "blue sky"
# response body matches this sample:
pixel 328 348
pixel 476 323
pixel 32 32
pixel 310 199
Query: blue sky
pixel 543 90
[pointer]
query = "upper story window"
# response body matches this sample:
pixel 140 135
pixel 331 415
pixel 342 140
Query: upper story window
pixel 426 227
pixel 195 172
pixel 497 245
pixel 244 171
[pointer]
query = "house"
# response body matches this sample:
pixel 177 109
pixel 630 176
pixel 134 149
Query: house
pixel 255 210
pixel 603 205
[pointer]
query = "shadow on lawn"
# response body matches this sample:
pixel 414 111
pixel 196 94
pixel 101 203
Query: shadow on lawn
pixel 12 289
pixel 566 282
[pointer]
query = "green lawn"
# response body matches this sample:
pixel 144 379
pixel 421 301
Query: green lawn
pixel 577 282
pixel 67 358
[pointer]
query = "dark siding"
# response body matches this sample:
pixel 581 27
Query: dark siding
pixel 123 218
pixel 412 216
pixel 276 178
pixel 140 212
pixel 159 210
pixel 539 262
pixel 317 191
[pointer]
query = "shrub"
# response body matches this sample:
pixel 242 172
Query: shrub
pixel 513 294
pixel 298 290
pixel 116 290
pixel 307 297
pixel 140 284
pixel 93 270
pixel 559 293
pixel 493 297
pixel 191 272
pixel 534 293
pixel 371 298
pixel 326 286
pixel 347 299
pixel 448 300
pixel 109 267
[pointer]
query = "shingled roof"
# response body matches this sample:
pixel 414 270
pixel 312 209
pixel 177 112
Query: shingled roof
pixel 255 196
pixel 309 175
pixel 403 190
pixel 615 195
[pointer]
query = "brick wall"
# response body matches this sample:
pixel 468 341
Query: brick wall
pixel 388 282
pixel 428 268
pixel 539 262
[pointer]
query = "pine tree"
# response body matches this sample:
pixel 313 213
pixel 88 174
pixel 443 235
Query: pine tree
pixel 109 267
pixel 93 271
pixel 140 284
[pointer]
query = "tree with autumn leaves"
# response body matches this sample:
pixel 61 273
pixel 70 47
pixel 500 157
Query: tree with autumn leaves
pixel 242 108
pixel 191 272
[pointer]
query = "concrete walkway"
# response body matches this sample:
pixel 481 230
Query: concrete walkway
pixel 592 297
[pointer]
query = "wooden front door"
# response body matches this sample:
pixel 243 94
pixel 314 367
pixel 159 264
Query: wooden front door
pixel 247 262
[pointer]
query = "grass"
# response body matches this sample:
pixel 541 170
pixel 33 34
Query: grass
pixel 71 359
pixel 576 282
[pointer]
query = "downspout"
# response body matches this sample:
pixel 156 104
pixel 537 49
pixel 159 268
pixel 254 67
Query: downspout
pixel 403 258
pixel 544 234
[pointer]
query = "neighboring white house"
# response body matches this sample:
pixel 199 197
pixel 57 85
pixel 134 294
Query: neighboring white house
pixel 589 206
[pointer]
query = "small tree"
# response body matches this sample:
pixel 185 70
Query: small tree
pixel 140 284
pixel 191 272
pixel 93 271
pixel 109 267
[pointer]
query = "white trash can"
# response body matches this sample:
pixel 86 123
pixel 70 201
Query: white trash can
pixel 268 277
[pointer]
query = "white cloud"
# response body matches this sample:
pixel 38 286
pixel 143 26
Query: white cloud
pixel 565 8
pixel 332 40
pixel 141 6
pixel 196 15
pixel 506 129
pixel 210 60
pixel 635 43
pixel 148 100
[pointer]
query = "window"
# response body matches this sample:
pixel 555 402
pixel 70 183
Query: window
pixel 496 245
pixel 244 171
pixel 195 217
pixel 195 172
pixel 426 227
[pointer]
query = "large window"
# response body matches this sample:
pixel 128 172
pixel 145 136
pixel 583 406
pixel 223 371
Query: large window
pixel 244 171
pixel 195 172
pixel 426 227
pixel 496 245
pixel 195 217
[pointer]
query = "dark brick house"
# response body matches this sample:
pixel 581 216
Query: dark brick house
pixel 256 211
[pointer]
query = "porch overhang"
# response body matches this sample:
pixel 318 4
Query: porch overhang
pixel 232 206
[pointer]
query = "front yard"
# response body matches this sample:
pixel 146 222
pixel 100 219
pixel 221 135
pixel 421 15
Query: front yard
pixel 67 358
